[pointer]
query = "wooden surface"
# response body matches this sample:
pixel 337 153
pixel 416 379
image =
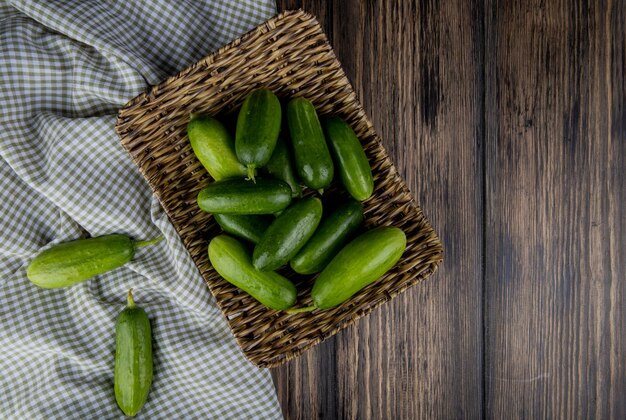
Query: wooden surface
pixel 508 121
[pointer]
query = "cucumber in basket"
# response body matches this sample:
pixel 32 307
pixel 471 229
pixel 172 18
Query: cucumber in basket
pixel 280 167
pixel 358 264
pixel 352 164
pixel 313 160
pixel 287 234
pixel 258 125
pixel 246 226
pixel 238 196
pixel 333 232
pixel 214 147
pixel 231 259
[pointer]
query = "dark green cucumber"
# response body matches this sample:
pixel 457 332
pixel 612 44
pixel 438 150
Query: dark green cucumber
pixel 287 234
pixel 280 167
pixel 352 164
pixel 231 259
pixel 246 226
pixel 69 263
pixel 238 196
pixel 214 147
pixel 361 262
pixel 258 125
pixel 331 235
pixel 313 160
pixel 133 358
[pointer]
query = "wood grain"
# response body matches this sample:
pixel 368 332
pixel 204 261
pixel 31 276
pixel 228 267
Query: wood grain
pixel 555 164
pixel 508 121
pixel 419 356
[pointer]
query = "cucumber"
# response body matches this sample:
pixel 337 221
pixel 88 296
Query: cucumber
pixel 69 263
pixel 246 226
pixel 352 164
pixel 358 264
pixel 313 160
pixel 214 147
pixel 287 234
pixel 258 125
pixel 238 196
pixel 280 167
pixel 231 260
pixel 331 235
pixel 133 358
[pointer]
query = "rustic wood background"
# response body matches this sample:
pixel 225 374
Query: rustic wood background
pixel 508 121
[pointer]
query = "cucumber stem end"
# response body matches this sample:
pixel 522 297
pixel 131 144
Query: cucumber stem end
pixel 251 173
pixel 300 310
pixel 131 302
pixel 141 244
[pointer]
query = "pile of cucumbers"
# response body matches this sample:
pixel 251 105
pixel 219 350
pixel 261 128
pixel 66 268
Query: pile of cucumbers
pixel 257 198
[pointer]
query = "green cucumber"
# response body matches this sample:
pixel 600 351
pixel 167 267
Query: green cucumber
pixel 280 167
pixel 69 263
pixel 331 235
pixel 238 196
pixel 354 168
pixel 133 358
pixel 313 160
pixel 258 125
pixel 358 264
pixel 287 234
pixel 231 259
pixel 214 147
pixel 246 226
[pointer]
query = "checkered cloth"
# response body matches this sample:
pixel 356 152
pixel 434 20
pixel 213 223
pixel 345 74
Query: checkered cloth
pixel 66 67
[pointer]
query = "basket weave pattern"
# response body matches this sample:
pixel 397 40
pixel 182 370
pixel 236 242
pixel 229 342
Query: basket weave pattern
pixel 290 55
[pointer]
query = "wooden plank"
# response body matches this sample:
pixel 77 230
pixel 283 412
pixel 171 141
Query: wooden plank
pixel 555 216
pixel 416 68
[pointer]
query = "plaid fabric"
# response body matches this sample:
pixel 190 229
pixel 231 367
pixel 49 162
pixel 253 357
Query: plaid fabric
pixel 66 67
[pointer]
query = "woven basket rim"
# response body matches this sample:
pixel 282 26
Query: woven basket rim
pixel 263 27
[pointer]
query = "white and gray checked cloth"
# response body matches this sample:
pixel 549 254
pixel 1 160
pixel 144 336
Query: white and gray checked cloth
pixel 66 67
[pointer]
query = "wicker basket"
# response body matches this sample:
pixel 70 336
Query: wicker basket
pixel 290 55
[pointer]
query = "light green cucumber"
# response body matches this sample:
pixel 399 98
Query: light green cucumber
pixel 232 260
pixel 133 358
pixel 361 262
pixel 214 147
pixel 69 263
